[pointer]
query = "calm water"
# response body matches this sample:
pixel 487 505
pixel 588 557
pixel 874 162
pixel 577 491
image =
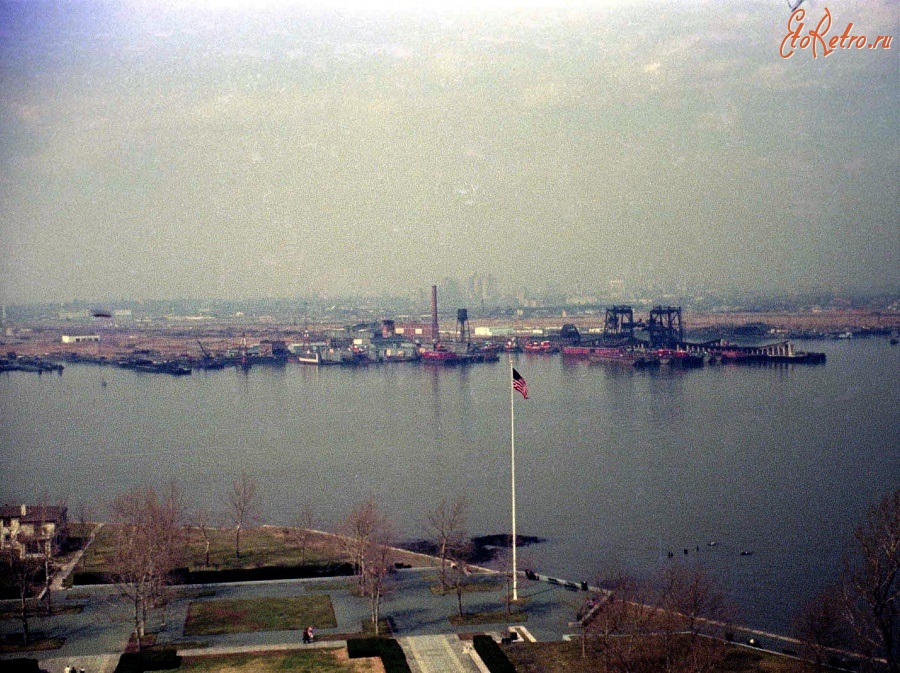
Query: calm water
pixel 615 467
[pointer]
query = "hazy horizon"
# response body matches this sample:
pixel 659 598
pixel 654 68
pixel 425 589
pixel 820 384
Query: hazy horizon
pixel 202 150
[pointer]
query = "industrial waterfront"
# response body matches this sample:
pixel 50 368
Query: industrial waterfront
pixel 617 466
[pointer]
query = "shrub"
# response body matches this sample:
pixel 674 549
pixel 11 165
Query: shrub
pixel 21 665
pixel 148 660
pixel 491 654
pixel 387 649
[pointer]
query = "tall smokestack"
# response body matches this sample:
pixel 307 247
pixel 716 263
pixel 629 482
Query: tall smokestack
pixel 434 320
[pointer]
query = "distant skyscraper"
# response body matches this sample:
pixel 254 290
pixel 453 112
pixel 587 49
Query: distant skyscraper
pixel 617 289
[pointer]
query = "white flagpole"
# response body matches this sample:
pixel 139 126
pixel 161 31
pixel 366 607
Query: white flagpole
pixel 512 427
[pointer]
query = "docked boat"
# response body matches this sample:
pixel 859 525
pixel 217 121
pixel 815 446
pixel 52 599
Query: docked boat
pixel 321 355
pixel 632 357
pixel 679 358
pixel 512 346
pixel 541 347
pixel 441 354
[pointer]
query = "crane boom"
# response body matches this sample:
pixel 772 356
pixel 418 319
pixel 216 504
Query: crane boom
pixel 206 353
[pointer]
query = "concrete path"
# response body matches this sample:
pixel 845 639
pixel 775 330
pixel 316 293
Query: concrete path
pixel 238 649
pixel 66 570
pixel 439 654
pixel 100 663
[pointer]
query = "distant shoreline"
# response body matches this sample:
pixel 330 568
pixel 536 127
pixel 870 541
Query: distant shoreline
pixel 179 338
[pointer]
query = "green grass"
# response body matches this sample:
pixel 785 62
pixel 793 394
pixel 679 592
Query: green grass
pixel 309 661
pixel 266 546
pixel 259 614
pixel 493 617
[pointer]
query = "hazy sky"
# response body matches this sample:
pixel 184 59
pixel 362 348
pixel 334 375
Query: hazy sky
pixel 205 150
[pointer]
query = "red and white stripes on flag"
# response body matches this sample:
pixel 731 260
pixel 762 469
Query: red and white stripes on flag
pixel 519 384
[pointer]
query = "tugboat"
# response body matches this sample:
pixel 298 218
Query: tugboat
pixel 541 347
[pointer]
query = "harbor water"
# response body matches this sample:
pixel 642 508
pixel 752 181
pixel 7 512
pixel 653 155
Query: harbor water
pixel 616 467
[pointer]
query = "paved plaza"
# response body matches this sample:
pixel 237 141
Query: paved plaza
pixel 96 637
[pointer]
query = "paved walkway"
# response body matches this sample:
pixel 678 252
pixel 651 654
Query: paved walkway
pixel 95 637
pixel 99 663
pixel 440 654
pixel 60 576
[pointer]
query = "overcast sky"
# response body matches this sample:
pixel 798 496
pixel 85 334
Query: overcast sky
pixel 205 150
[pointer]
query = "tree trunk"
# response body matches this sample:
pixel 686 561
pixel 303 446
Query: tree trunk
pixel 376 604
pixel 443 567
pixel 138 627
pixel 24 605
pixel 207 553
pixel 48 580
pixel 237 542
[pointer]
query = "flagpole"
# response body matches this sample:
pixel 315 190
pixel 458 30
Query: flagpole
pixel 512 434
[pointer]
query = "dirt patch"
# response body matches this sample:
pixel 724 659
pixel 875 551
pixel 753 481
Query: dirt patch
pixel 369 665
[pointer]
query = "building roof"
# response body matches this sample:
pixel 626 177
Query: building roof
pixel 34 513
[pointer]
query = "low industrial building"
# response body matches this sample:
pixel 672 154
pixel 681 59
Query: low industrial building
pixel 83 338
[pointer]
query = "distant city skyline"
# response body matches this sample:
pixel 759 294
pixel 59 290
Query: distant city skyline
pixel 207 150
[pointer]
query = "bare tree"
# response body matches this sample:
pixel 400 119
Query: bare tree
pixel 458 574
pixel 23 571
pixel 300 534
pixel 44 532
pixel 84 515
pixel 820 626
pixel 242 506
pixel 621 622
pixel 447 525
pixel 378 571
pixel 691 606
pixel 149 546
pixel 364 526
pixel 366 536
pixel 204 521
pixel 872 583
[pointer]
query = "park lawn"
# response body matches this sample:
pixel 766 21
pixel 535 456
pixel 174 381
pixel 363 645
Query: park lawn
pixel 263 546
pixel 99 554
pixel 299 661
pixel 565 657
pixel 260 547
pixel 215 617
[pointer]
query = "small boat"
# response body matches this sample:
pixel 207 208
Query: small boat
pixel 541 347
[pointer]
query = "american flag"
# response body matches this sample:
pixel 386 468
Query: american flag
pixel 519 384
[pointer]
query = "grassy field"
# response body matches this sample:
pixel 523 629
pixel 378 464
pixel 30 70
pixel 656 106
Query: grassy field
pixel 259 614
pixel 565 657
pixel 309 661
pixel 260 547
